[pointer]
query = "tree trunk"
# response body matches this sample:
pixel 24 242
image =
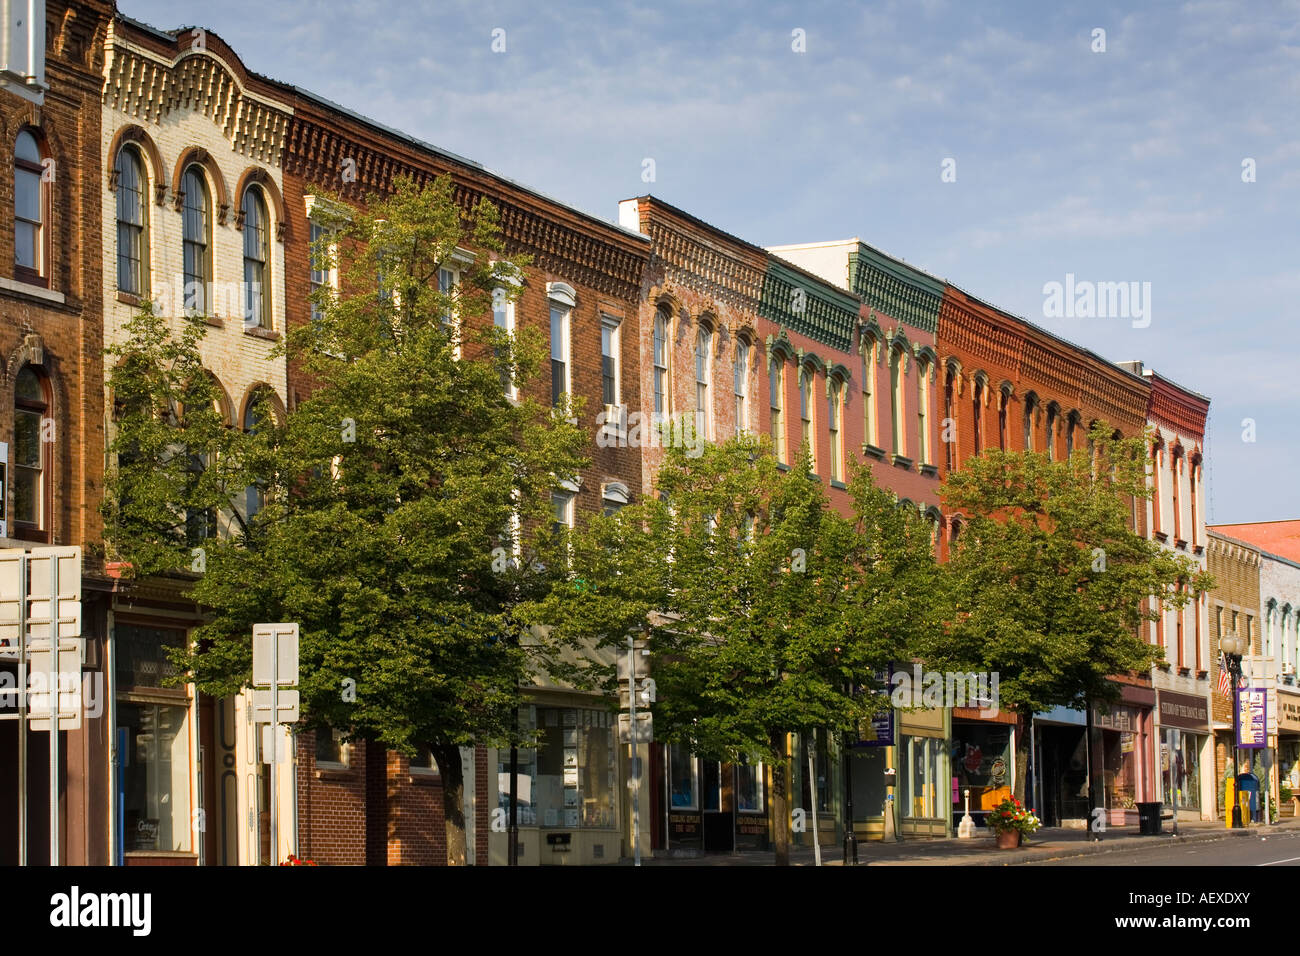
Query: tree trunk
pixel 780 803
pixel 453 797
pixel 1023 730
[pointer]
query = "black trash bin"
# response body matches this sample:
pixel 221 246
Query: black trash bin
pixel 1149 818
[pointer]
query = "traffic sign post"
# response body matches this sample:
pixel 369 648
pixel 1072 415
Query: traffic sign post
pixel 275 666
pixel 635 728
pixel 40 628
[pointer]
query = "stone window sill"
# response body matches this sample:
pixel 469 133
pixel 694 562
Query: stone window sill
pixel 335 772
pixel 129 298
pixel 31 291
pixel 428 778
pixel 873 451
pixel 836 483
pixel 902 461
pixel 930 471
pixel 257 332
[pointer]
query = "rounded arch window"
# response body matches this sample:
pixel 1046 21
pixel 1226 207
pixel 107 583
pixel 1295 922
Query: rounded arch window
pixel 30 453
pixel 196 239
pixel 257 259
pixel 131 221
pixel 31 204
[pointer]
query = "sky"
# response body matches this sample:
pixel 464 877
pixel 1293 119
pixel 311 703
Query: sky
pixel 1001 146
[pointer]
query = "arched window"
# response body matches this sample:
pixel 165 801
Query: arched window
pixel 1071 423
pixel 977 414
pixel 896 400
pixel 1004 399
pixel 1031 409
pixel 661 365
pixel 834 414
pixel 31 204
pixel 257 417
pixel 257 258
pixel 776 405
pixel 195 240
pixel 869 347
pixel 1053 415
pixel 30 456
pixel 132 245
pixel 807 435
pixel 923 412
pixel 1175 480
pixel 741 376
pixel 949 424
pixel 703 372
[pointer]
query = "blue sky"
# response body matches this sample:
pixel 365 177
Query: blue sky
pixel 1115 166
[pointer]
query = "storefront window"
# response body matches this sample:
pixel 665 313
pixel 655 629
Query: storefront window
pixel 749 788
pixel 1180 769
pixel 575 767
pixel 525 769
pixel 815 742
pixel 156 776
pixel 924 776
pixel 682 780
pixel 1119 747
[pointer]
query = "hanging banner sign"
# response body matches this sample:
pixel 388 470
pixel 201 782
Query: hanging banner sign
pixel 1252 718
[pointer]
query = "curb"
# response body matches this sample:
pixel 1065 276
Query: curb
pixel 1128 843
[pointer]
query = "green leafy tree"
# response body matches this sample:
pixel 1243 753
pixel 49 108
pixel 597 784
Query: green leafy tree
pixel 766 611
pixel 175 466
pixel 405 503
pixel 1049 583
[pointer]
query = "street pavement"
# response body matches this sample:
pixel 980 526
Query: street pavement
pixel 1210 843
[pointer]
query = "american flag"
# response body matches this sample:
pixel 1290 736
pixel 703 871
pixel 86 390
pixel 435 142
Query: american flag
pixel 1225 680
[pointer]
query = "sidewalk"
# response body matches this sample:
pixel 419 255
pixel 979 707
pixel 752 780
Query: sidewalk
pixel 1046 844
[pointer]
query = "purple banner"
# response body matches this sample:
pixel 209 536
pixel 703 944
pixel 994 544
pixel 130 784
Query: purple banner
pixel 1252 718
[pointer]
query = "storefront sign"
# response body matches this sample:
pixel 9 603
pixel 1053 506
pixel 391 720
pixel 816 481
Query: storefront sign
pixel 1183 711
pixel 1252 718
pixel 878 732
pixel 1117 718
pixel 1288 713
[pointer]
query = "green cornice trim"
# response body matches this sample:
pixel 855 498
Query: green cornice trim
pixel 809 306
pixel 897 290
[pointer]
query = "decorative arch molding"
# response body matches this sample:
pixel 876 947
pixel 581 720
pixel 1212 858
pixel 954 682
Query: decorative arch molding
pixel 981 378
pixel 256 175
pixel 810 360
pixel 31 351
pixel 871 331
pixel 898 340
pixel 132 134
pixel 779 346
pixel 272 399
pixel 742 330
pixel 198 156
pixel 837 374
pixel 928 361
pixel 932 513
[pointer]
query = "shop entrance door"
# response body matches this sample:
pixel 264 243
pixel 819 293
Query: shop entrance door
pixel 719 807
pixel 1064 774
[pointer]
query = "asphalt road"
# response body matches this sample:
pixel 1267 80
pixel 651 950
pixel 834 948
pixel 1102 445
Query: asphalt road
pixel 1279 848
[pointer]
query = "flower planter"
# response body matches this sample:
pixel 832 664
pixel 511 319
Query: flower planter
pixel 1008 839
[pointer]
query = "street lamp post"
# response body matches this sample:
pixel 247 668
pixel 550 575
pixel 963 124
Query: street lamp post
pixel 850 838
pixel 1233 648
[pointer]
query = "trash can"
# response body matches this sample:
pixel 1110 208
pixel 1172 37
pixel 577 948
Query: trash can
pixel 1149 818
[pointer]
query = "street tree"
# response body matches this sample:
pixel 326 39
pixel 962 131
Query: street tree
pixel 401 509
pixel 765 610
pixel 1049 584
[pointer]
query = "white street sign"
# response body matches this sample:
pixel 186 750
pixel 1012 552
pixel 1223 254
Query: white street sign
pixel 286 640
pixel 42 565
pixel 286 702
pixel 69 689
pixel 644 726
pixel 283 753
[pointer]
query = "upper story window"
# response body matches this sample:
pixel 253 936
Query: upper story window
pixel 949 420
pixel 703 372
pixel 257 259
pixel 257 417
pixel 609 365
pixel 977 414
pixel 741 376
pixel 503 318
pixel 834 413
pixel 196 240
pixel 1052 416
pixel 319 276
pixel 559 353
pixel 1004 399
pixel 448 282
pixel 661 364
pixel 923 412
pixel 31 212
pixel 776 403
pixel 1031 409
pixel 868 398
pixel 896 399
pixel 31 458
pixel 808 436
pixel 132 223
pixel 1175 479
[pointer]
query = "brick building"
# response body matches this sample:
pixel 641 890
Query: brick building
pixel 357 802
pixel 1234 607
pixel 51 432
pixel 1175 517
pixel 193 220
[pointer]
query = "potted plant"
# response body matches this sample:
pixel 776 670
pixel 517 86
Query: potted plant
pixel 1011 821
